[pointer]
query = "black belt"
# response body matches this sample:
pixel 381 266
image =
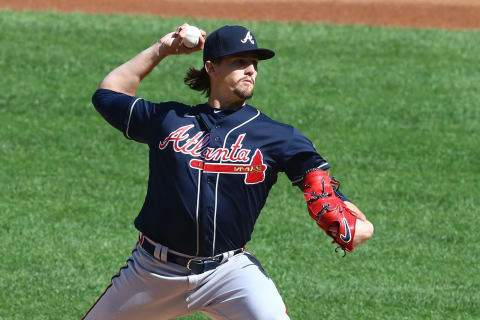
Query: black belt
pixel 195 265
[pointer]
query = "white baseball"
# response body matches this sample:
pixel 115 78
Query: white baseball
pixel 191 37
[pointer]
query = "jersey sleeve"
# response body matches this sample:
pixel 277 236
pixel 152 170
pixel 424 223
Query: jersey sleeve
pixel 300 156
pixel 133 116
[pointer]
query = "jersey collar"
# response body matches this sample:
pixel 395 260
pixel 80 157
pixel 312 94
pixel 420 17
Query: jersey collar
pixel 231 119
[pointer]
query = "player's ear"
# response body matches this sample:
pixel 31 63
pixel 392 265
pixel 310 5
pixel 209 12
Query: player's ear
pixel 209 67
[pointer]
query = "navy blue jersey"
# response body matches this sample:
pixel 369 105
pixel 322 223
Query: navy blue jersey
pixel 210 170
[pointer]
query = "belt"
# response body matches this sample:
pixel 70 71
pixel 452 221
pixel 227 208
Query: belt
pixel 195 265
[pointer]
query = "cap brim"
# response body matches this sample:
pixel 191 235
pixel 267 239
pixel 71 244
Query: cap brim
pixel 263 54
pixel 260 53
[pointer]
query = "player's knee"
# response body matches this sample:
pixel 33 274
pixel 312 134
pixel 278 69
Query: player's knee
pixel 267 305
pixel 272 314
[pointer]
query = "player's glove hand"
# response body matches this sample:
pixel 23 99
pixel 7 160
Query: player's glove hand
pixel 327 209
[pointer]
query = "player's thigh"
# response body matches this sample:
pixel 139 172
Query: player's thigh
pixel 245 291
pixel 142 290
pixel 115 302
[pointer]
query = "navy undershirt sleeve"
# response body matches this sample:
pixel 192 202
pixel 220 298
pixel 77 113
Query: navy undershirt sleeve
pixel 341 195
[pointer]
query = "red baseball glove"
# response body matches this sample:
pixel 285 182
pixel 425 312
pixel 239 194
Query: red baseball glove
pixel 327 209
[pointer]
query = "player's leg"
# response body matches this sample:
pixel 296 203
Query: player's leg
pixel 144 289
pixel 239 289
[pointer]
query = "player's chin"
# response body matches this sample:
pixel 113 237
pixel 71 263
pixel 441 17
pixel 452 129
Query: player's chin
pixel 244 92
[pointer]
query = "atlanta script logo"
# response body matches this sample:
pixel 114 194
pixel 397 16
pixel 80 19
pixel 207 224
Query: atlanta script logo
pixel 212 158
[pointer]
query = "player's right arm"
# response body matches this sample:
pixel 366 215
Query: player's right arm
pixel 126 78
pixel 115 98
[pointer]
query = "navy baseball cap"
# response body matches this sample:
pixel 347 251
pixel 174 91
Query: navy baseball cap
pixel 230 40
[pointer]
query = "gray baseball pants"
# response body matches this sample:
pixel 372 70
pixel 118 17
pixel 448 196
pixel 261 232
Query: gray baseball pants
pixel 148 288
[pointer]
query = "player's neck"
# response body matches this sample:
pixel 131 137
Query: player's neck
pixel 226 103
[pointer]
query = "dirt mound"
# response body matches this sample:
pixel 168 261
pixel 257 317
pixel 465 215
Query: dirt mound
pixel 448 14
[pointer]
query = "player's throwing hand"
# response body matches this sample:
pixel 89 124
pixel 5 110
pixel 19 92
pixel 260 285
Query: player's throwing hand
pixel 171 43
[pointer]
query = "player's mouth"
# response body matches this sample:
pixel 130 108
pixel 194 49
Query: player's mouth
pixel 249 80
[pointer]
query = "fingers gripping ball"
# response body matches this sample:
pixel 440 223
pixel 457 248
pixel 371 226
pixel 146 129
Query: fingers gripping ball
pixel 192 37
pixel 327 209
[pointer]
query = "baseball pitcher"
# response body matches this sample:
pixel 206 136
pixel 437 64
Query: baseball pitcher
pixel 211 168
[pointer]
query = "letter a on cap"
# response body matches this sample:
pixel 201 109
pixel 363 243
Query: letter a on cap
pixel 249 38
pixel 229 40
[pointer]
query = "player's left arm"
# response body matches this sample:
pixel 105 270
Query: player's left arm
pixel 334 213
pixel 364 228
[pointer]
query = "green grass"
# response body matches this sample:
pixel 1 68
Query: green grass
pixel 395 111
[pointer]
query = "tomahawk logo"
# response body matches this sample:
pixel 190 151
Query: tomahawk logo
pixel 254 171
pixel 347 236
pixel 196 145
pixel 248 37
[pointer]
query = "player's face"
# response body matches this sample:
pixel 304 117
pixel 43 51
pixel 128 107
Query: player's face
pixel 237 75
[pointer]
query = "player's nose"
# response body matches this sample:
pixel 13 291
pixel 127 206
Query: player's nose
pixel 250 69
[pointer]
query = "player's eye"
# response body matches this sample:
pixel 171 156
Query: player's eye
pixel 240 62
pixel 244 63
